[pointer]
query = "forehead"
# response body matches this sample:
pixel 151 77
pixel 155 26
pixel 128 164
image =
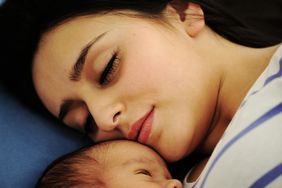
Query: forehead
pixel 66 40
pixel 131 153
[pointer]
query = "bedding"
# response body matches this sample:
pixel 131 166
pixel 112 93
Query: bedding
pixel 29 142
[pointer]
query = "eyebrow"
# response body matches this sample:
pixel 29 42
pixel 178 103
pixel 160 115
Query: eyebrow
pixel 75 73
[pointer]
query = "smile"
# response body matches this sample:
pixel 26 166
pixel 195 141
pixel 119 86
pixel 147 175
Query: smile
pixel 141 129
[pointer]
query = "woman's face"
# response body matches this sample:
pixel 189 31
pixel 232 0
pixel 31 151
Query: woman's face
pixel 124 77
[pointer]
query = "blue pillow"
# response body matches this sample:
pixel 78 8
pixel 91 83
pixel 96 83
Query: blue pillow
pixel 29 142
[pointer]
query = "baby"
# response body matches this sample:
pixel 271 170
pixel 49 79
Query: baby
pixel 119 164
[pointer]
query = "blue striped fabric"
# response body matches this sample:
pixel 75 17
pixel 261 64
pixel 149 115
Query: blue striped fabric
pixel 268 177
pixel 259 122
pixel 277 75
pixel 250 153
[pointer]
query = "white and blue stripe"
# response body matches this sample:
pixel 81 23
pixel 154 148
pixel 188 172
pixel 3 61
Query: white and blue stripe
pixel 250 152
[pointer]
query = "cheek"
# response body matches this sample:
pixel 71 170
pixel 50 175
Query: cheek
pixel 141 75
pixel 146 62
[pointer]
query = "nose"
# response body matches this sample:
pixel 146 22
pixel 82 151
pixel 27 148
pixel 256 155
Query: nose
pixel 106 116
pixel 174 183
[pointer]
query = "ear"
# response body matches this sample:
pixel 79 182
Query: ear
pixel 190 15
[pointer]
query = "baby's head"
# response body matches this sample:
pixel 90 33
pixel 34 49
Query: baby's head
pixel 118 164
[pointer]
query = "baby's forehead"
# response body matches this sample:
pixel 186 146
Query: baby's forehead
pixel 124 150
pixel 128 148
pixel 126 155
pixel 138 160
pixel 129 152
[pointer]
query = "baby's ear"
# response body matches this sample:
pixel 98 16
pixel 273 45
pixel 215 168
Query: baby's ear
pixel 191 16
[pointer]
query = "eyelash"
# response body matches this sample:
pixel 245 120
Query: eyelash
pixel 144 172
pixel 110 70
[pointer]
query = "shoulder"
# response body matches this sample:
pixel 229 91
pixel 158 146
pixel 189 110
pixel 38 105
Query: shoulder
pixel 250 149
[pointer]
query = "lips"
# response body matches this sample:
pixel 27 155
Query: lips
pixel 141 129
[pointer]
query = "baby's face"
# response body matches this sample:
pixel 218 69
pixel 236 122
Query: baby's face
pixel 135 165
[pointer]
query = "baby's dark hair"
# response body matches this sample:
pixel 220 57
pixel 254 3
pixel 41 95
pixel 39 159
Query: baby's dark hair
pixel 82 168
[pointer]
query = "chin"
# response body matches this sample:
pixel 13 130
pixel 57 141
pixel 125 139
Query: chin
pixel 173 155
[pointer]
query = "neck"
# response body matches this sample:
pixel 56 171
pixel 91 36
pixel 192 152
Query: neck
pixel 239 67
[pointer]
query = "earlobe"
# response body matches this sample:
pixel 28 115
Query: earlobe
pixel 191 16
pixel 173 183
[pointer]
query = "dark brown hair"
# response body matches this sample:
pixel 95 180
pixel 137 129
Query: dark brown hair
pixel 24 21
pixel 82 168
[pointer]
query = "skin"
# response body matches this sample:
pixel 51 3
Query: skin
pixel 192 79
pixel 129 164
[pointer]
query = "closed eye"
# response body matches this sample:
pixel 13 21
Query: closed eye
pixel 144 172
pixel 111 69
